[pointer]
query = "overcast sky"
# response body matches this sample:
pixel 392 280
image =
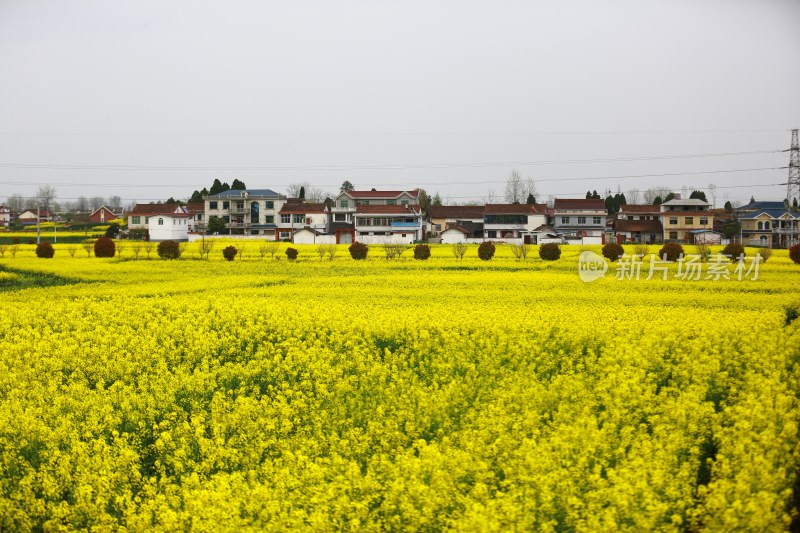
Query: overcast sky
pixel 444 95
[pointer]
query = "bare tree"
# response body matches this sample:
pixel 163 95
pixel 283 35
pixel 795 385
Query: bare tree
pixel 13 249
pixel 272 248
pixel 650 194
pixel 205 247
pixel 331 249
pixel 520 251
pixel 182 246
pixel 136 248
pixel 95 202
pixel 634 196
pixel 490 198
pixel 712 191
pixel 312 194
pixel 114 202
pixel 148 247
pixel 459 249
pixel 514 188
pixel 88 247
pixel 16 202
pixel 120 247
pixel 3 248
pixel 322 249
pixel 45 195
pixel 82 204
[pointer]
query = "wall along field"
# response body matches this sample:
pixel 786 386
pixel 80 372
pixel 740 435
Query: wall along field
pixel 394 395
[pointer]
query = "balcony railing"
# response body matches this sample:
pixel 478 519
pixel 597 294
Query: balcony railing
pixel 405 225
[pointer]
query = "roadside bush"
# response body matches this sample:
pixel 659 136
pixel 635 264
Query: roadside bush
pixel 613 251
pixel 672 250
pixel 291 253
pixel 229 253
pixel 168 250
pixel 104 247
pixel 422 252
pixel 358 251
pixel 733 250
pixel 486 250
pixel 45 250
pixel 794 253
pixel 550 251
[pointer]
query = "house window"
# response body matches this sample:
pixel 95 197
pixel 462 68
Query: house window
pixel 689 221
pixel 269 204
pixel 596 220
pixel 673 221
pixel 345 203
pixel 404 202
pixel 437 227
pixel 212 205
pixel 269 219
pixel 285 235
pixel 160 221
pixel 491 234
pixel 581 220
pixel 703 221
pixel 766 225
pixel 298 219
pixel 340 217
pixel 135 220
pixel 226 219
pixel 239 205
pixel 565 220
pixel 286 219
pixel 673 235
pixel 391 202
pixel 226 205
pixel 199 217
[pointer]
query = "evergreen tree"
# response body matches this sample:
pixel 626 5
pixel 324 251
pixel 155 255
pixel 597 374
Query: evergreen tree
pixel 531 199
pixel 225 187
pixel 595 196
pixel 670 196
pixel 588 195
pixel 238 185
pixel 794 203
pixel 657 200
pixel 196 197
pixel 346 186
pixel 302 192
pixel 437 200
pixel 216 188
pixel 698 195
pixel 728 207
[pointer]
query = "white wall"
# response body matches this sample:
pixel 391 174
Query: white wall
pixel 395 238
pixel 307 237
pixel 173 229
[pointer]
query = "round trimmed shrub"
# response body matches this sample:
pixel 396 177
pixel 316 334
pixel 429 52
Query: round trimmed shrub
pixel 734 250
pixel 44 250
pixel 168 250
pixel 613 251
pixel 229 253
pixel 550 251
pixel 104 247
pixel 291 253
pixel 486 250
pixel 358 251
pixel 794 253
pixel 422 252
pixel 672 250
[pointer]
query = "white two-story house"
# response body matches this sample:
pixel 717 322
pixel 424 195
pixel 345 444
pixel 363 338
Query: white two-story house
pixel 580 217
pixel 513 221
pixel 296 214
pixel 345 206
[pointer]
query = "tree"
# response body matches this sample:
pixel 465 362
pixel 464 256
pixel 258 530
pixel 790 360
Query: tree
pixel 216 188
pixel 652 193
pixel 104 247
pixel 517 189
pixel 237 185
pixel 196 197
pixel 634 196
pixel 670 196
pixel 45 195
pixel 531 199
pixel 95 202
pixel 16 202
pixel 302 194
pixel 595 196
pixel 346 186
pixel 698 195
pixel 310 193
pixel 437 200
pixel 424 199
pixel 215 225
pixel 657 201
pixel 728 207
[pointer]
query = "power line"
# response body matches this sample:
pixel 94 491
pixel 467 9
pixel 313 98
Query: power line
pixel 147 168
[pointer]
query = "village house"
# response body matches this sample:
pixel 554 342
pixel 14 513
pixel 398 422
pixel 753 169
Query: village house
pixel 297 214
pixel 441 217
pixel 246 212
pixel 679 217
pixel 580 218
pixel 29 217
pixel 139 217
pixel 344 208
pixel 169 226
pixel 375 224
pixel 513 221
pixel 5 216
pixel 769 225
pixel 638 223
pixel 103 214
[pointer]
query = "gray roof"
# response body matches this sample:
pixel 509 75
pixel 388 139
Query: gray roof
pixel 236 193
pixel 688 201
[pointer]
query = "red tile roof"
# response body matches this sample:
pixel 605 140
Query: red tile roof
pixel 385 209
pixel 643 226
pixel 154 209
pixel 301 208
pixel 456 211
pixel 512 209
pixel 579 203
pixel 639 208
pixel 381 194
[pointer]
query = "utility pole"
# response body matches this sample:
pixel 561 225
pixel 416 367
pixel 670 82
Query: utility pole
pixel 793 185
pixel 38 219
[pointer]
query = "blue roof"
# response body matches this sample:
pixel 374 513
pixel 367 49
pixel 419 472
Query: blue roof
pixel 756 209
pixel 235 193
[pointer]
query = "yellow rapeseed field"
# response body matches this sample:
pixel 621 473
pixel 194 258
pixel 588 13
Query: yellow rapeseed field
pixel 329 395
